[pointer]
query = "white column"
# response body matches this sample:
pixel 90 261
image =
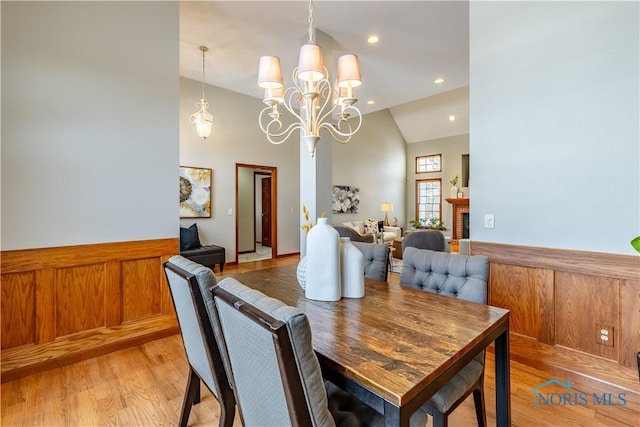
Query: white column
pixel 316 182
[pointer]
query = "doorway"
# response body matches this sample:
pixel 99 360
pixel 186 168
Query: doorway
pixel 256 208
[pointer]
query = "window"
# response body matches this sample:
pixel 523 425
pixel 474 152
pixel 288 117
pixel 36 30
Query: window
pixel 430 163
pixel 428 199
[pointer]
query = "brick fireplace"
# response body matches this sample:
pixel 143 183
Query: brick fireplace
pixel 460 206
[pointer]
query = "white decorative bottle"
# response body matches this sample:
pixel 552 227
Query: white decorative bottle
pixel 351 269
pixel 323 263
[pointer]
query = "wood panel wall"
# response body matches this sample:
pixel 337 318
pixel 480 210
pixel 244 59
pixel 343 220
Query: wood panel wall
pixel 560 300
pixel 61 305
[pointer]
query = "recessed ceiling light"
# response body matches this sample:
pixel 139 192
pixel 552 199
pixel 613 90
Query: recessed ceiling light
pixel 452 118
pixel 371 102
pixel 439 80
pixel 373 39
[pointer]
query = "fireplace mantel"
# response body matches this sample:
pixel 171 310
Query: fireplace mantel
pixel 459 202
pixel 460 206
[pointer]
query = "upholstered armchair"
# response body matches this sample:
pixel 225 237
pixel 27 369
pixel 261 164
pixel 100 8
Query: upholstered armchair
pixel 424 239
pixel 457 276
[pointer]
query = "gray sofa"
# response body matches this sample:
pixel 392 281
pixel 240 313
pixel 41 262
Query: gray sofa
pixel 353 234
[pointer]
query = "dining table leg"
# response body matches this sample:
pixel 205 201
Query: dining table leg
pixel 503 387
pixel 394 417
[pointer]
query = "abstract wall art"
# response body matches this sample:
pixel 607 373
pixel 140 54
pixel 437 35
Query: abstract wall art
pixel 195 192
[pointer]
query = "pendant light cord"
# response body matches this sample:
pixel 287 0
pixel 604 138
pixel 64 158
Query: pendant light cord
pixel 203 51
pixel 311 22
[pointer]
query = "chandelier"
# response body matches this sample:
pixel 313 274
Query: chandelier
pixel 312 93
pixel 202 119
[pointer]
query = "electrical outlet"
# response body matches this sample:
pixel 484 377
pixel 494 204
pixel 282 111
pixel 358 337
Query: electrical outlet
pixel 604 334
pixel 488 221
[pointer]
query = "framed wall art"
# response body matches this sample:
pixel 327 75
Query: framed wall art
pixel 195 192
pixel 345 199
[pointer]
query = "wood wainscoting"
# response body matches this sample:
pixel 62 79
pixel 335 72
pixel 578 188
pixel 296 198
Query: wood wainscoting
pixel 561 301
pixel 65 304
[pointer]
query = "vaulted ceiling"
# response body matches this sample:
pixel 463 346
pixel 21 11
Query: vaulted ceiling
pixel 419 42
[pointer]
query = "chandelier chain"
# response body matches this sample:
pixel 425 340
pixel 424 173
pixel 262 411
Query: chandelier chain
pixel 311 22
pixel 203 52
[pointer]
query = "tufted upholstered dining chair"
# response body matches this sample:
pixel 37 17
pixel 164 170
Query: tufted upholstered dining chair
pixel 190 285
pixel 457 276
pixel 424 239
pixel 275 373
pixel 376 260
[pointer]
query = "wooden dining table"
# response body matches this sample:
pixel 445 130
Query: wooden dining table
pixel 397 346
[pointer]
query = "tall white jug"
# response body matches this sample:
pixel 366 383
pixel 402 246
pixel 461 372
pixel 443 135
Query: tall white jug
pixel 323 263
pixel 351 269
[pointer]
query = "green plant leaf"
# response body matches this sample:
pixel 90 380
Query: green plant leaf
pixel 636 243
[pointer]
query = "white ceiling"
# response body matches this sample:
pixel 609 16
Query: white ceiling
pixel 419 41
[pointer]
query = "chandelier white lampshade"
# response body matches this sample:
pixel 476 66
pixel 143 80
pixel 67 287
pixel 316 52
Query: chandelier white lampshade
pixel 202 118
pixel 349 71
pixel 311 100
pixel 310 63
pixel 270 73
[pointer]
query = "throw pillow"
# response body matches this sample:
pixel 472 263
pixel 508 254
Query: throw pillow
pixel 371 226
pixel 189 238
pixel 359 226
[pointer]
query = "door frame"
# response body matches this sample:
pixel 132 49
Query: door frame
pixel 274 206
pixel 266 175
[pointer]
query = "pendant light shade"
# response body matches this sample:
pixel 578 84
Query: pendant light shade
pixel 310 65
pixel 270 73
pixel 202 118
pixel 349 71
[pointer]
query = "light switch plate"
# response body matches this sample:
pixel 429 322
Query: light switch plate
pixel 489 221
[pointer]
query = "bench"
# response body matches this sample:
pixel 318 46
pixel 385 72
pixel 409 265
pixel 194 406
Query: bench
pixel 208 255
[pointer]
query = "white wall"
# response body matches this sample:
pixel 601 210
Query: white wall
pixel 89 122
pixel 373 161
pixel 237 138
pixel 451 149
pixel 555 123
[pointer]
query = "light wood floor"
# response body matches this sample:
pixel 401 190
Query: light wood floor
pixel 144 386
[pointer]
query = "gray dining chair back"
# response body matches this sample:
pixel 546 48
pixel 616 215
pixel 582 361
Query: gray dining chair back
pixel 190 286
pixel 268 345
pixel 273 368
pixel 424 239
pixel 376 260
pixel 457 276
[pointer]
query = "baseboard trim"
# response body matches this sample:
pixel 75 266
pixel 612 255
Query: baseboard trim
pixel 30 359
pixel 569 364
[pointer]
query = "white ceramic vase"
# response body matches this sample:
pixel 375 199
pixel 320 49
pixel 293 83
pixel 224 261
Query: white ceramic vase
pixel 351 269
pixel 323 263
pixel 301 272
pixel 454 192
